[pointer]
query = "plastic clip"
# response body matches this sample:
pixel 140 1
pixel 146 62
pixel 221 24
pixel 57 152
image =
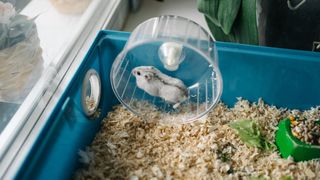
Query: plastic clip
pixel 316 46
pixel 296 6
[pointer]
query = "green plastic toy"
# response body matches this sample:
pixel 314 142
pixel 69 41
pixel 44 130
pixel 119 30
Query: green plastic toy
pixel 289 145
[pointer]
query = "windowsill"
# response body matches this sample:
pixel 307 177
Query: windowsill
pixel 64 40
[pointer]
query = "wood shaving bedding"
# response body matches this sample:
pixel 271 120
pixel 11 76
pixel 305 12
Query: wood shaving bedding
pixel 128 147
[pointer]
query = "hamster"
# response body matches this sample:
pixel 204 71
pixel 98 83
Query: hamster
pixel 155 83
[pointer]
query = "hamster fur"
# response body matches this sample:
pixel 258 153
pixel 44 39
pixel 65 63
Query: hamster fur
pixel 155 83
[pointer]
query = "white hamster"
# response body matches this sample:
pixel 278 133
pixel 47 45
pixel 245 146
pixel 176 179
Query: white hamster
pixel 155 83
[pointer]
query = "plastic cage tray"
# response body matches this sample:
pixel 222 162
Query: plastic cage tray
pixel 282 77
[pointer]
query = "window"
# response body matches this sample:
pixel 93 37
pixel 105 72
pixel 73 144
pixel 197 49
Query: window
pixel 41 43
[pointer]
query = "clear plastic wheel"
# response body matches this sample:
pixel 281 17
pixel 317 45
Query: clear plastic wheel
pixel 169 65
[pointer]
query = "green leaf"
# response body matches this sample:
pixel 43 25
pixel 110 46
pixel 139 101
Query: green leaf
pixel 286 178
pixel 228 11
pixel 233 21
pixel 209 8
pixel 221 12
pixel 250 134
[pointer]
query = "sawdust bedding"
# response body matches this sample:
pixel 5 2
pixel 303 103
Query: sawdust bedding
pixel 128 147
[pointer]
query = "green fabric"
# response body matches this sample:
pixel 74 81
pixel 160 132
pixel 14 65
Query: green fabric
pixel 231 20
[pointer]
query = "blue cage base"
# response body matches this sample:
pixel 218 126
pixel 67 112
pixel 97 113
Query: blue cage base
pixel 284 78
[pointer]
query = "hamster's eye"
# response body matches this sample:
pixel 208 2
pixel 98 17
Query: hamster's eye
pixel 138 72
pixel 146 76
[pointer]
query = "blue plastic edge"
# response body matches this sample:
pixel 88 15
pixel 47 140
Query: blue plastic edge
pixel 29 166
